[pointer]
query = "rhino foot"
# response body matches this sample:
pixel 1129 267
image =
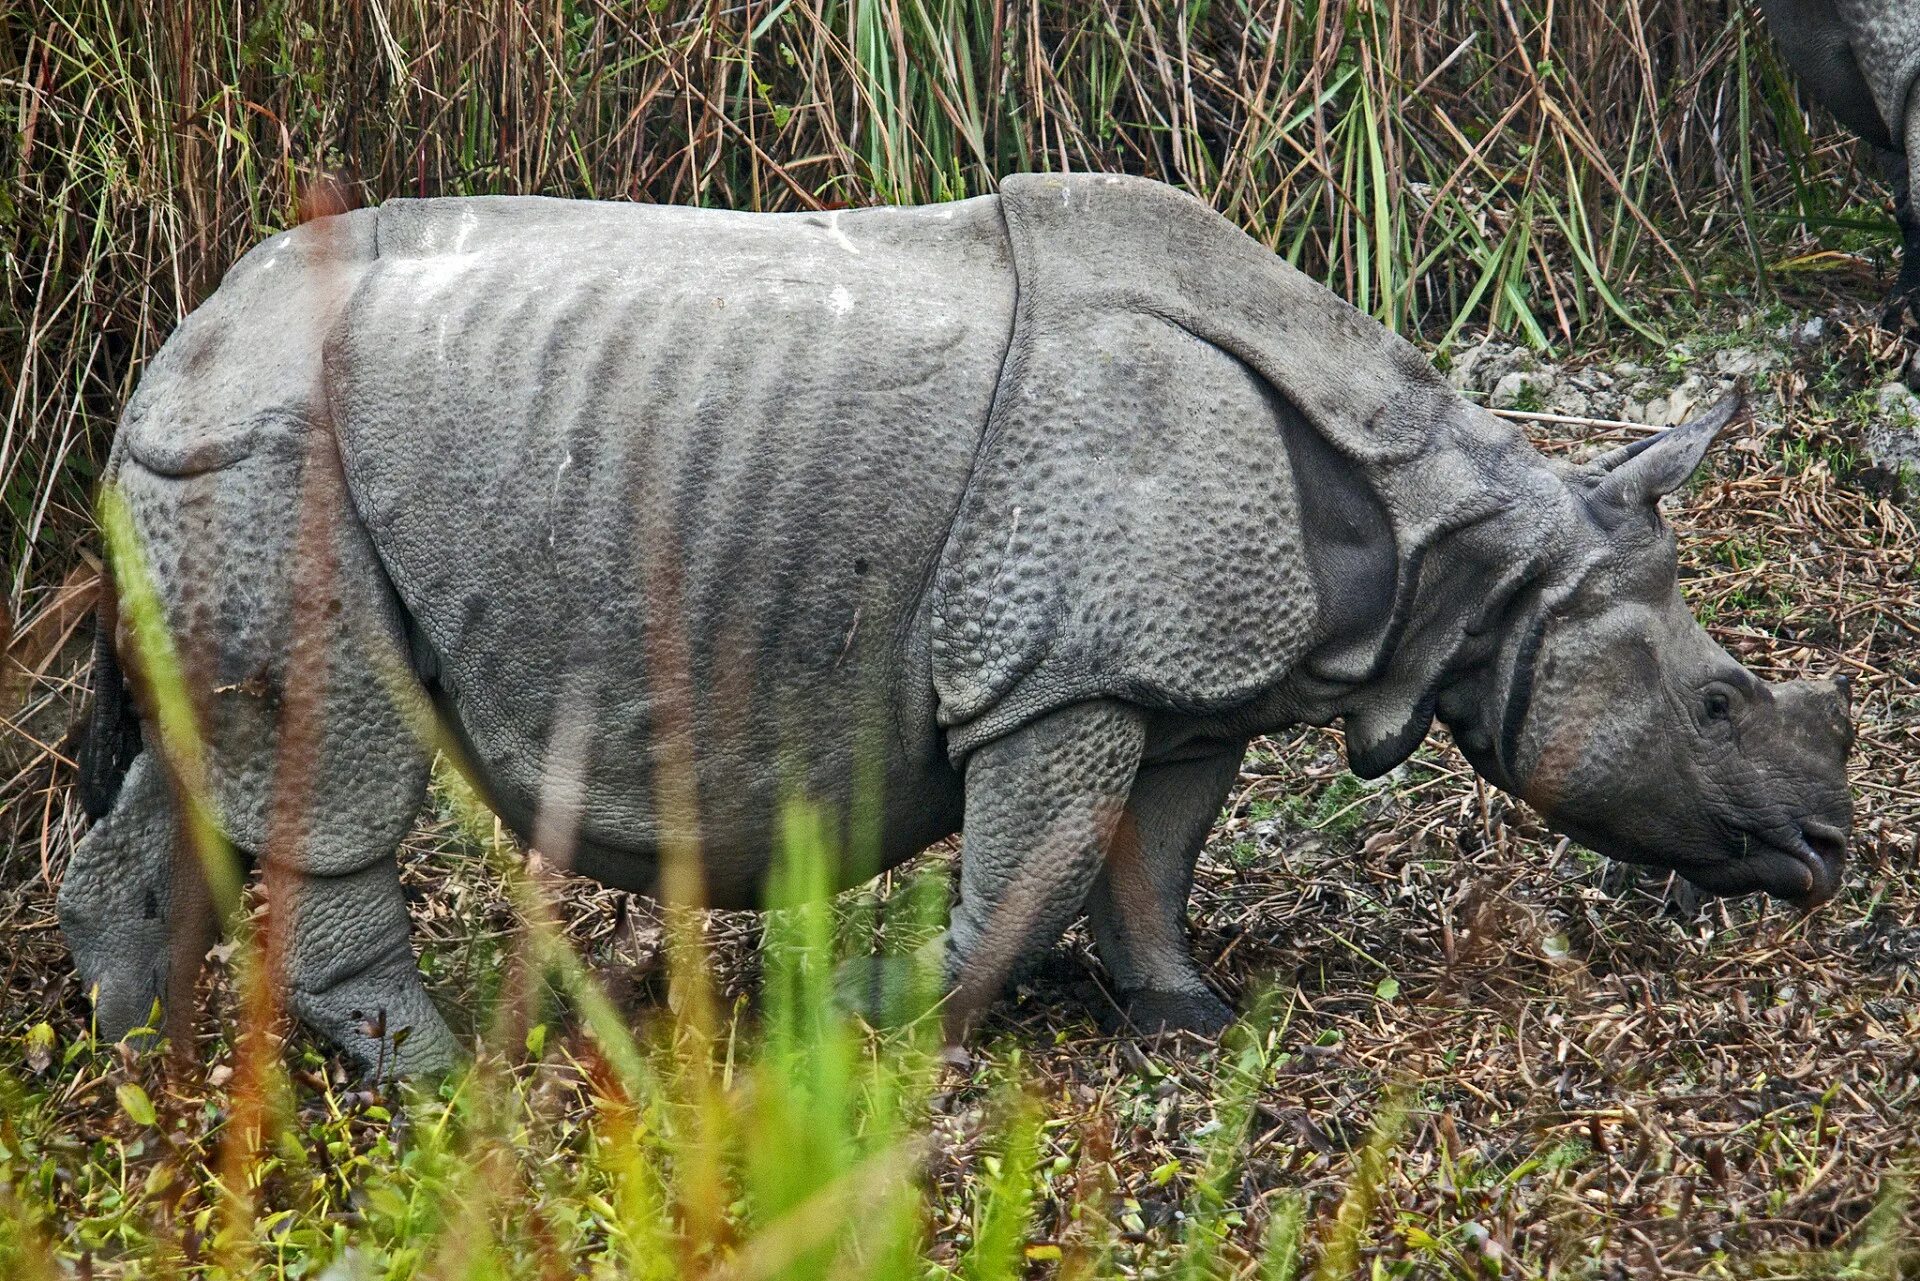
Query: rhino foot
pixel 352 976
pixel 1152 1013
pixel 890 991
pixel 383 1021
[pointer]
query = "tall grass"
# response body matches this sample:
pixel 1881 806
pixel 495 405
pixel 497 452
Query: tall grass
pixel 1512 162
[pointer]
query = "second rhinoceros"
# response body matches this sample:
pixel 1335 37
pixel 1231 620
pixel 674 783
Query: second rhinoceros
pixel 1018 516
pixel 1860 59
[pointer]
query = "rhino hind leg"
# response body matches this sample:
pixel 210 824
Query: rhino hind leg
pixel 1138 906
pixel 314 762
pixel 126 913
pixel 348 965
pixel 134 910
pixel 336 798
pixel 1042 804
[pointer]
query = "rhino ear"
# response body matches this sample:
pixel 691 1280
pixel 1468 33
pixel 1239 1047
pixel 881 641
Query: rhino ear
pixel 1637 476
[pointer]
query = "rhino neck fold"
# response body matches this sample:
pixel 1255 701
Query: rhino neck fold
pixel 1469 592
pixel 1487 693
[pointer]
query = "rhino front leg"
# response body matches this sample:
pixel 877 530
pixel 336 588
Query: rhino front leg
pixel 1138 907
pixel 350 971
pixel 1042 804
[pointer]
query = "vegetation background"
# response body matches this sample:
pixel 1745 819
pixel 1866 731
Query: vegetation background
pixel 1478 1064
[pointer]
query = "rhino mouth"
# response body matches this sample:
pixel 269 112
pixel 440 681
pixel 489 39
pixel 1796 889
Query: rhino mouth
pixel 1800 865
pixel 1803 868
pixel 1822 850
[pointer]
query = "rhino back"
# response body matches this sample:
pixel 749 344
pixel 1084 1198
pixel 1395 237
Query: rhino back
pixel 674 480
pixel 240 375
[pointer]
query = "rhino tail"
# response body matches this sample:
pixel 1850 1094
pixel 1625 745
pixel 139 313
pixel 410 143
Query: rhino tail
pixel 110 738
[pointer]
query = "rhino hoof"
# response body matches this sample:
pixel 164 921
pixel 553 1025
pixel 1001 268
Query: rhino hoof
pixel 1199 1014
pixel 886 991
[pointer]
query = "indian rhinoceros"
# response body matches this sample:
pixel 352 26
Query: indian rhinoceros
pixel 1860 59
pixel 1018 516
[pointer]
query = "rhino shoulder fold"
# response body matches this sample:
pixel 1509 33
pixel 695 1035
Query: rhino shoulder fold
pixel 1203 474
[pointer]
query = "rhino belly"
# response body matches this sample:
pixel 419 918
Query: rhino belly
pixel 1818 43
pixel 660 490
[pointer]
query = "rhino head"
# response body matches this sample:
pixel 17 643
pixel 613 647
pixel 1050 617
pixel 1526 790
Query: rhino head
pixel 1611 711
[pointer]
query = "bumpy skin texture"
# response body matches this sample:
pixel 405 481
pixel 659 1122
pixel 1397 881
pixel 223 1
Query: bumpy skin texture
pixel 1028 510
pixel 1860 59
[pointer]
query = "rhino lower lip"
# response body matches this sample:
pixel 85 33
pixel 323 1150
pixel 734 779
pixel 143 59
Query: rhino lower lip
pixel 1821 856
pixel 1816 854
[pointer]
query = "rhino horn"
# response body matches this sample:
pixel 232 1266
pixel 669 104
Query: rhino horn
pixel 1637 475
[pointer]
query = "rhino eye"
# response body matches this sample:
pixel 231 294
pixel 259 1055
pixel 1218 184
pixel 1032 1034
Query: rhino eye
pixel 1719 706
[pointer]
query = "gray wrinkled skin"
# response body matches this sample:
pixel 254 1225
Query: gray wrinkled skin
pixel 1860 59
pixel 1019 515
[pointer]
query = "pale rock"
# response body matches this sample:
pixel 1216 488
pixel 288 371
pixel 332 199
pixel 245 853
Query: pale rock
pixel 1522 385
pixel 1569 400
pixel 1897 399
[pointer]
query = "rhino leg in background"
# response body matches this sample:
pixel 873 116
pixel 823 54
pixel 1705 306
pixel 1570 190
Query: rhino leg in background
pixel 119 908
pixel 1907 288
pixel 1898 173
pixel 1041 808
pixel 1138 907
